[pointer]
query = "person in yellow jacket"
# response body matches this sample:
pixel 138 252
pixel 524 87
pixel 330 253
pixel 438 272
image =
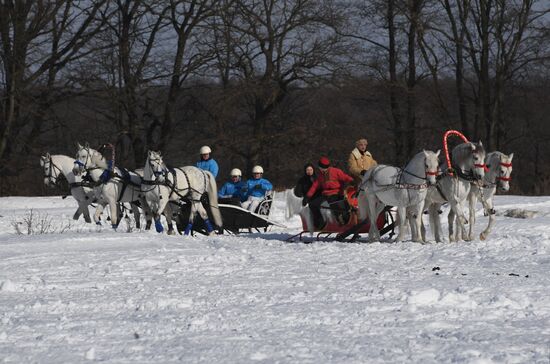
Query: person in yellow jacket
pixel 360 160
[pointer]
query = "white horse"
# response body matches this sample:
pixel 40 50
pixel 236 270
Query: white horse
pixel 468 166
pixel 54 166
pixel 120 187
pixel 404 188
pixel 499 167
pixel 162 185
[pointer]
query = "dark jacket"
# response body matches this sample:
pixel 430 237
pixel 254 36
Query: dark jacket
pixel 304 183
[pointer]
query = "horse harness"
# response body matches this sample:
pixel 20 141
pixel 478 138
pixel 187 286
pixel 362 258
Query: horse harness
pixel 173 186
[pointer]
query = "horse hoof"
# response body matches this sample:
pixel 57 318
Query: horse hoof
pixel 148 225
pixel 482 237
pixel 98 223
pixel 114 226
pixel 171 232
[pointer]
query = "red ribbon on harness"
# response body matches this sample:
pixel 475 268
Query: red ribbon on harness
pixel 446 147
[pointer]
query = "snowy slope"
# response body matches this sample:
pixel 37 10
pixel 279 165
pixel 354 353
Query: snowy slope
pixel 92 294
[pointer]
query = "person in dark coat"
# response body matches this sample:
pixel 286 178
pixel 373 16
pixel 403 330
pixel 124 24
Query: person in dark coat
pixel 304 183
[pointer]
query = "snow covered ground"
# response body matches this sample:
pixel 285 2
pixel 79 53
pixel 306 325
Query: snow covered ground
pixel 92 294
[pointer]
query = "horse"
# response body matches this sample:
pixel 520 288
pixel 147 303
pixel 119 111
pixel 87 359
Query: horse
pixel 454 185
pixel 499 167
pixel 162 185
pixel 122 186
pixel 404 188
pixel 57 164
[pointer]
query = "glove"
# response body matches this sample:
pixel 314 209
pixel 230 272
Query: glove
pixel 305 200
pixel 258 187
pixel 363 172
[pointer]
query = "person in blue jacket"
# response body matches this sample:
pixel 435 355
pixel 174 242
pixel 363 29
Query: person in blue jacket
pixel 232 191
pixel 256 189
pixel 206 163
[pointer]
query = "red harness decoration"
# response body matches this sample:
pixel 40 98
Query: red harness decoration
pixel 446 146
pixel 507 179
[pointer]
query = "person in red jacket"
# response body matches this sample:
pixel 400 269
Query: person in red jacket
pixel 330 182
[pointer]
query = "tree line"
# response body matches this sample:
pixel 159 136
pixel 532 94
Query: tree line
pixel 275 82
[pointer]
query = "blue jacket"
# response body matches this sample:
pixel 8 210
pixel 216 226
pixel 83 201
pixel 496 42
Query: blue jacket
pixel 263 186
pixel 209 165
pixel 232 189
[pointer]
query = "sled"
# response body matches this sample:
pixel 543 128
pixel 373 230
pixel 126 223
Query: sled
pixel 349 230
pixel 236 220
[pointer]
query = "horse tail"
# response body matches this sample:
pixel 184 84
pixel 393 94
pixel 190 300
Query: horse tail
pixel 293 204
pixel 212 190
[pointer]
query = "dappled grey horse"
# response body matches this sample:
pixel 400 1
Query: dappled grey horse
pixel 57 164
pixel 161 185
pixel 498 175
pixel 403 188
pixel 121 187
pixel 453 187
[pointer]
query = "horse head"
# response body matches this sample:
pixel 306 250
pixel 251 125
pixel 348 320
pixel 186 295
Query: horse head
pixel 154 166
pixel 50 174
pixel 500 166
pixel 431 166
pixel 85 158
pixel 470 158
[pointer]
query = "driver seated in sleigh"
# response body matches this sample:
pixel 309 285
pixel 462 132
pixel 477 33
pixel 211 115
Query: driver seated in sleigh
pixel 232 192
pixel 330 182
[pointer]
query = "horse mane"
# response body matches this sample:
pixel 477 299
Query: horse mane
pixel 99 160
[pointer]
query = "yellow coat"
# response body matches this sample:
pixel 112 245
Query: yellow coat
pixel 358 162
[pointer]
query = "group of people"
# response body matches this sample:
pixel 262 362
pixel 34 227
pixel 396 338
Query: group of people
pixel 248 194
pixel 315 188
pixel 328 185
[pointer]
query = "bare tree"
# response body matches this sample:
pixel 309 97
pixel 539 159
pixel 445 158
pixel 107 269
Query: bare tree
pixel 269 48
pixel 38 39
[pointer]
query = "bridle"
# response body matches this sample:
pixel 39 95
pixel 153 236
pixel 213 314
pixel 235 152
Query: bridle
pixel 505 179
pixel 88 158
pixel 51 168
pixel 157 173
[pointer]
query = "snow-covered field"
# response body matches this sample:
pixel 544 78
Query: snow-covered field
pixel 92 294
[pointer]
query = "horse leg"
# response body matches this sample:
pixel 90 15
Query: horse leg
pixel 435 222
pixel 402 216
pixel 456 206
pixel 147 212
pixel 85 211
pixel 98 212
pixel 415 222
pixel 114 208
pixel 162 204
pixel 204 215
pixel 168 215
pixel 192 213
pixel 490 210
pixel 374 234
pixel 137 215
pixel 472 201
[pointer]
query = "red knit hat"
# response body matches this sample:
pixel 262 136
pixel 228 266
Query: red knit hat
pixel 324 162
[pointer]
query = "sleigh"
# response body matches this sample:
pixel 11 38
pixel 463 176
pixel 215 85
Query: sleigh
pixel 236 219
pixel 349 229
